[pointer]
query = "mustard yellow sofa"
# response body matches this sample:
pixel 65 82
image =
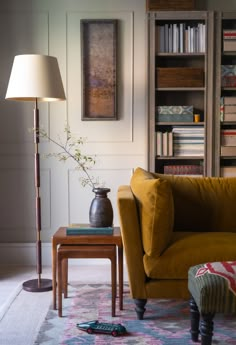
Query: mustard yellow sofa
pixel 170 223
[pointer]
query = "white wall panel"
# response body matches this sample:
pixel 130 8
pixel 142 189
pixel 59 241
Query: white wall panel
pixel 17 206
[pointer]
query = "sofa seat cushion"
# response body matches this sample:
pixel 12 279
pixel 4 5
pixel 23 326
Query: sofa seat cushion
pixel 156 211
pixel 189 249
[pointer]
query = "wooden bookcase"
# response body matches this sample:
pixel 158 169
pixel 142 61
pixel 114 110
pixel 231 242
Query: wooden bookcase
pixel 225 156
pixel 180 78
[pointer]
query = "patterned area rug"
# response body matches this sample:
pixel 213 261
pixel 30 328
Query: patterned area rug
pixel 166 321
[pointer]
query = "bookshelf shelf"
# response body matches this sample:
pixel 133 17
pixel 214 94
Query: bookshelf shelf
pixel 224 156
pixel 181 55
pixel 178 89
pixel 180 123
pixel 180 157
pixel 191 60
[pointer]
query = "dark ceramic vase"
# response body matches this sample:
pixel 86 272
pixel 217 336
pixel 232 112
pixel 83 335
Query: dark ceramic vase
pixel 101 212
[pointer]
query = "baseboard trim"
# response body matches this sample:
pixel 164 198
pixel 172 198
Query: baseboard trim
pixel 24 254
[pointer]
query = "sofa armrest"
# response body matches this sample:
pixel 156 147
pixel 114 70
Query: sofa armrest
pixel 132 240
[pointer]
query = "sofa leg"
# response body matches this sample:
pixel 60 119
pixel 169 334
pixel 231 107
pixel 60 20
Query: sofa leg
pixel 195 318
pixel 140 307
pixel 206 328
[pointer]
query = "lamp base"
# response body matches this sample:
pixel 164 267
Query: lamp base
pixel 37 285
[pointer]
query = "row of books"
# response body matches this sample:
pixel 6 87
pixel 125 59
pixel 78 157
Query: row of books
pixel 185 169
pixel 197 170
pixel 229 40
pixel 228 109
pixel 164 143
pixel 181 141
pixel 181 38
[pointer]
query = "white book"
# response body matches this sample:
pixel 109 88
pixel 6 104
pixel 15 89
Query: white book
pixel 171 38
pixel 165 143
pixel 181 37
pixel 166 38
pixel 159 148
pixel 170 144
pixel 175 38
pixel 203 38
pixel 162 39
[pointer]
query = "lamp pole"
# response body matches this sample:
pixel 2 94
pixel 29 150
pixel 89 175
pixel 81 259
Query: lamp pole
pixel 37 285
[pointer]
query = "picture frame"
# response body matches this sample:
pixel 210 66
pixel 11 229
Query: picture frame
pixel 99 69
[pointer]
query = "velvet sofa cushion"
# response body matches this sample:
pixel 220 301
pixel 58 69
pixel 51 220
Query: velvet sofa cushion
pixel 156 211
pixel 203 203
pixel 189 249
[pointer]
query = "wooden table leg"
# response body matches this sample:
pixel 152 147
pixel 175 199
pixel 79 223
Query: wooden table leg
pixel 121 276
pixel 54 274
pixel 113 284
pixel 59 284
pixel 65 277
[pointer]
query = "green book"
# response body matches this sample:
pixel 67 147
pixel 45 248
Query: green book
pixel 86 229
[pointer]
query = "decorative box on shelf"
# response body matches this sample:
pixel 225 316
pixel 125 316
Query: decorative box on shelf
pixel 170 5
pixel 228 75
pixel 180 77
pixel 174 113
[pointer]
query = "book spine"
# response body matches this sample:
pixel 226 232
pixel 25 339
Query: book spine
pixel 170 144
pixel 165 143
pixel 228 171
pixel 229 109
pixel 229 45
pixel 228 151
pixel 229 117
pixel 229 100
pixel 159 148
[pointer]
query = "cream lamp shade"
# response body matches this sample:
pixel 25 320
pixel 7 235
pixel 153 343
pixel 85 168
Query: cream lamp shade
pixel 35 77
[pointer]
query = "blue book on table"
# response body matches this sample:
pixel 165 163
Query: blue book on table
pixel 86 229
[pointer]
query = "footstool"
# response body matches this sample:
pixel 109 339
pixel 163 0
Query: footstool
pixel 213 290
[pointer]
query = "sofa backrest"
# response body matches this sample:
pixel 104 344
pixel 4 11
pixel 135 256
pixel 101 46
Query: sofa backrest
pixel 204 203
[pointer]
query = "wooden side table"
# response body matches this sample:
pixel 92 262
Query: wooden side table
pixel 97 241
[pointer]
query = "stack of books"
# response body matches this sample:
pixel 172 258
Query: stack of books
pixel 228 142
pixel 188 140
pixel 86 229
pixel 229 40
pixel 228 109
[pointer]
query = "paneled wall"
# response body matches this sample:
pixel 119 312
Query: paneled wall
pixel 53 27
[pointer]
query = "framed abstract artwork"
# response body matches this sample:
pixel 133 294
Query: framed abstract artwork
pixel 99 69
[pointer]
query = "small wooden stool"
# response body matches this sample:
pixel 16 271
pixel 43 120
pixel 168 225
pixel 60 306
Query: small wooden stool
pixel 213 289
pixel 66 252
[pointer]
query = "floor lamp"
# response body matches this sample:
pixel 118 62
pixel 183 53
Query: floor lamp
pixel 36 78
